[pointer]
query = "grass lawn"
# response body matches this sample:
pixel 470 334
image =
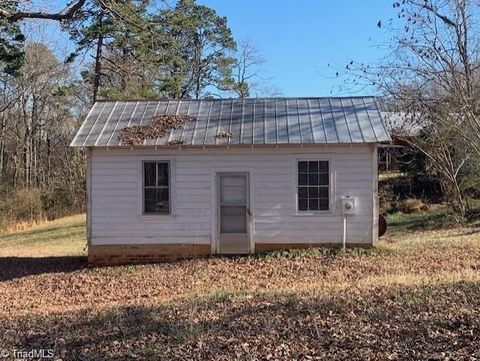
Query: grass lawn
pixel 416 296
pixel 62 237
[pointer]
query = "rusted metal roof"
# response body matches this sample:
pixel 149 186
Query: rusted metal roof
pixel 248 121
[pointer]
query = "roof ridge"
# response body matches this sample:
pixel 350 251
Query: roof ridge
pixel 239 99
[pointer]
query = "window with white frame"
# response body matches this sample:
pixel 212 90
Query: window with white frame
pixel 156 187
pixel 313 186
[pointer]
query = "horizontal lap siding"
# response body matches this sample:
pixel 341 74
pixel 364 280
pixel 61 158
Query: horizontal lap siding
pixel 116 195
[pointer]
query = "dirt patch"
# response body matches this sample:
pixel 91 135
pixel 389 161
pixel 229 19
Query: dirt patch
pixel 158 128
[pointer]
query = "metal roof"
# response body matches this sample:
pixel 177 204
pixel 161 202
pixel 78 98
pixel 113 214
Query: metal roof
pixel 403 122
pixel 249 121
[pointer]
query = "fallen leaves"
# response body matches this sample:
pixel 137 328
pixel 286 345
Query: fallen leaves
pixel 158 128
pixel 223 135
pixel 421 302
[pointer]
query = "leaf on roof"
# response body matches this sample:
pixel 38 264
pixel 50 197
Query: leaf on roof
pixel 224 134
pixel 158 128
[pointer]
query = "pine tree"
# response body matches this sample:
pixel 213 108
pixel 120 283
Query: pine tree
pixel 201 48
pixel 114 35
pixel 11 42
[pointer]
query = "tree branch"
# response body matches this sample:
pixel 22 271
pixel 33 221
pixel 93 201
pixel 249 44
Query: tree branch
pixel 68 13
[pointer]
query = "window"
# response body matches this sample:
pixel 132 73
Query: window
pixel 156 191
pixel 313 186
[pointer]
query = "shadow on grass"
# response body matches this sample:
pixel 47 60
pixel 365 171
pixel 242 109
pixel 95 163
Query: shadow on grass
pixel 36 232
pixel 436 219
pixel 370 325
pixel 32 236
pixel 474 217
pixel 440 219
pixel 17 267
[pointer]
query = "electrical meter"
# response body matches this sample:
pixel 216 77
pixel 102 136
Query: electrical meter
pixel 348 205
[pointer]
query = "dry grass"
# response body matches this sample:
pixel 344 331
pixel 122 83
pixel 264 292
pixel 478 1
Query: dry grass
pixel 417 296
pixel 62 237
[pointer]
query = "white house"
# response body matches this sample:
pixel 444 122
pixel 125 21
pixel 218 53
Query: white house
pixel 233 176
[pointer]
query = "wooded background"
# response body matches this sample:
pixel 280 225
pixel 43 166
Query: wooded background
pixel 128 49
pixel 150 49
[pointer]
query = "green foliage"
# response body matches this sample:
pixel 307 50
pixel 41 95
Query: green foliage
pixel 117 35
pixel 179 52
pixel 413 188
pixel 440 217
pixel 129 92
pixel 11 42
pixel 200 46
pixel 470 178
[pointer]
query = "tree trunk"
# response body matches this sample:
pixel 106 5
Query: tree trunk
pixel 197 67
pixel 98 60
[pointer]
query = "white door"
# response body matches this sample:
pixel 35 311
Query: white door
pixel 233 213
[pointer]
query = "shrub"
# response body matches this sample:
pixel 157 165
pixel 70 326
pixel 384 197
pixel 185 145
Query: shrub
pixel 33 205
pixel 387 207
pixel 22 204
pixel 412 205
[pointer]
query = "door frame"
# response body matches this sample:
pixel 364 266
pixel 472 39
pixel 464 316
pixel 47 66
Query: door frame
pixel 216 174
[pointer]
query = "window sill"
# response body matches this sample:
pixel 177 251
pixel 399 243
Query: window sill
pixel 315 214
pixel 155 217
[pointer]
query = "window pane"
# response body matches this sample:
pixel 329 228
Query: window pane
pixel 324 179
pixel 313 182
pixel 163 174
pixel 313 179
pixel 323 168
pixel 303 167
pixel 150 174
pixel 313 167
pixel 156 201
pixel 233 190
pixel 233 219
pixel 323 192
pixel 313 204
pixel 302 192
pixel 302 179
pixel 313 192
pixel 324 204
pixel 303 204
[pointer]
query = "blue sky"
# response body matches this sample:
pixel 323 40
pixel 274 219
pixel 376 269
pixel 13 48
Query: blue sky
pixel 299 38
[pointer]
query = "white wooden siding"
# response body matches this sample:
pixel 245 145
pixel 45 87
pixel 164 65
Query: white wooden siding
pixel 116 195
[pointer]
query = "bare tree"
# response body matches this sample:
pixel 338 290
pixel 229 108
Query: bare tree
pixel 434 66
pixel 433 74
pixel 41 112
pixel 246 72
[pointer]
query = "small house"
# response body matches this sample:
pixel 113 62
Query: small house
pixel 182 178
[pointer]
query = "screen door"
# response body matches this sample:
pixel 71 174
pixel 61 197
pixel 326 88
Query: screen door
pixel 233 213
